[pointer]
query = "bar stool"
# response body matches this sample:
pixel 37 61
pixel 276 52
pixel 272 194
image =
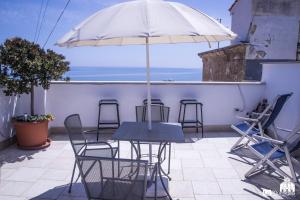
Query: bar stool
pixel 194 123
pixel 108 124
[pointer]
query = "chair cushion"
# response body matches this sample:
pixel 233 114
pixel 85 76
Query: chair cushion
pixel 244 126
pixel 265 147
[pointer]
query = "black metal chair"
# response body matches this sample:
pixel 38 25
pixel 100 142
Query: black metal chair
pixel 111 178
pixel 80 144
pixel 160 113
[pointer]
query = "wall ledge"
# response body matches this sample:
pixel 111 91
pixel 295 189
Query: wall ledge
pixel 154 83
pixel 281 62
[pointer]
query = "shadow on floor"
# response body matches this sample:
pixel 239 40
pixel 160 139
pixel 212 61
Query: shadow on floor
pixel 267 180
pixel 61 193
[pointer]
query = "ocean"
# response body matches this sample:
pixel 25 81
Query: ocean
pixel 134 74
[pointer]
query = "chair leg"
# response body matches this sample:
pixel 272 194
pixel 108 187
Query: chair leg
pixel 98 125
pixel 201 121
pixel 131 152
pixel 197 125
pixel 70 186
pixel 183 118
pixel 263 160
pixel 288 157
pixel 179 116
pixel 118 115
pixel 169 159
pixel 234 147
pixel 256 166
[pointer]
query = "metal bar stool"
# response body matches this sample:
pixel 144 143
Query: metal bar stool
pixel 108 124
pixel 194 123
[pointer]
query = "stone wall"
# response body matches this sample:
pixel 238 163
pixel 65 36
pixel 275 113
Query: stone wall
pixel 224 64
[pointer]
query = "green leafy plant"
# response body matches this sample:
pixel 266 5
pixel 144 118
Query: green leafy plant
pixel 34 118
pixel 25 65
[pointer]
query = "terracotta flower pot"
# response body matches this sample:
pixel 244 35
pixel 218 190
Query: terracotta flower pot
pixel 32 135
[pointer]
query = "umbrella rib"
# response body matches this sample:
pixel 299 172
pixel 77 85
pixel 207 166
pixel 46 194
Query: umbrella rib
pixel 207 41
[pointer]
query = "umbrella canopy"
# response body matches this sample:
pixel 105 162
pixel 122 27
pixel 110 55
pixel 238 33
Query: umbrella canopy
pixel 146 22
pixel 131 22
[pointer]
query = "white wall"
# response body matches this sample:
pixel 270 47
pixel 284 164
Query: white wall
pixel 241 19
pixel 276 31
pixel 277 36
pixel 219 99
pixel 284 78
pixel 9 107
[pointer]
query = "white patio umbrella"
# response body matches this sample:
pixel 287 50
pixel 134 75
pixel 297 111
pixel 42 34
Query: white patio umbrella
pixel 145 22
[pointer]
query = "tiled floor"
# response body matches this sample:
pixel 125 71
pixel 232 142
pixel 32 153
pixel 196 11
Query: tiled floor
pixel 201 169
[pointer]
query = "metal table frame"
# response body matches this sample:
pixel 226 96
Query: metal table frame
pixel 135 140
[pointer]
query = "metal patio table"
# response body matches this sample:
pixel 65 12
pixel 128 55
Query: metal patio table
pixel 161 133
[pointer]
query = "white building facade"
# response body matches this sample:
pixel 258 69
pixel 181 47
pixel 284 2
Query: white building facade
pixel 271 28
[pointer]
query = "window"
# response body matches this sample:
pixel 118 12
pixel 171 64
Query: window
pixel 298 45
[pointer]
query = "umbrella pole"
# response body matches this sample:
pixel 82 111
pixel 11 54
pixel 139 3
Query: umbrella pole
pixel 148 85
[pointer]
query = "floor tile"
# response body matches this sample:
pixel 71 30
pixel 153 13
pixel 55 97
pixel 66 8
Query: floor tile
pixel 225 173
pixel 199 174
pixel 206 187
pixel 192 163
pixel 181 188
pixel 26 174
pixel 14 188
pixel 235 186
pixel 213 197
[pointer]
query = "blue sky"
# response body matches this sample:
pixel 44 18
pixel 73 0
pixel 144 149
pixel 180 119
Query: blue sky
pixel 19 18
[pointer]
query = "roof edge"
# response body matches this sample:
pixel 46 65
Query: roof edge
pixel 221 49
pixel 233 4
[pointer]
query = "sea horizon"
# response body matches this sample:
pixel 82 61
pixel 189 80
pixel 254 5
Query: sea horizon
pixel 127 73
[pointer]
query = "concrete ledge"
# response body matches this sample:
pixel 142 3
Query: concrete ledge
pixel 155 83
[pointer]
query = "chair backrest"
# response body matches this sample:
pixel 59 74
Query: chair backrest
pixel 293 139
pixel 153 102
pixel 277 106
pixel 74 128
pixel 159 113
pixel 112 178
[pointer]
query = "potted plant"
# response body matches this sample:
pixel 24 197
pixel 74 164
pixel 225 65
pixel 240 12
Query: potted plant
pixel 24 65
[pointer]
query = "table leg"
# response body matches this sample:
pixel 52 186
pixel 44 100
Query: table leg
pixel 136 149
pixel 160 171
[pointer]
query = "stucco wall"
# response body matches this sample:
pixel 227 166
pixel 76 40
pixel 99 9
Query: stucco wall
pixel 241 19
pixel 284 78
pixel 10 106
pixel 271 27
pixel 219 99
pixel 273 37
